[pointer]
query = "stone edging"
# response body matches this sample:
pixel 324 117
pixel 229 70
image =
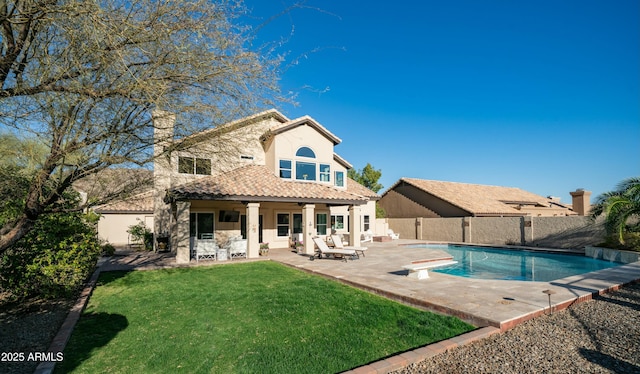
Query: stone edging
pixel 407 358
pixel 62 337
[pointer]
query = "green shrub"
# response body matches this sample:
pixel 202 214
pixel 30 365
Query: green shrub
pixel 108 249
pixel 52 260
pixel 631 241
pixel 140 233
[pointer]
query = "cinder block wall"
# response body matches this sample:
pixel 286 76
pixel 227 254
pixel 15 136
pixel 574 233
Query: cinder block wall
pixel 496 230
pixel 553 232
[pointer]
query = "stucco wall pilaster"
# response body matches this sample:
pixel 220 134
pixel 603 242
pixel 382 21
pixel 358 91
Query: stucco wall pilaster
pixel 355 217
pixel 419 228
pixel 466 230
pixel 308 228
pixel 527 230
pixel 180 234
pixel 253 237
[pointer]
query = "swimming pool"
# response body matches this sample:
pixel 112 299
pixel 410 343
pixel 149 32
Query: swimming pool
pixel 522 265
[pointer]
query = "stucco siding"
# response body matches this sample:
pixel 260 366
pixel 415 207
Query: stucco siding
pixel 552 232
pixel 397 205
pixel 566 232
pixel 443 229
pixel 436 206
pixel 113 228
pixel 406 227
pixel 495 230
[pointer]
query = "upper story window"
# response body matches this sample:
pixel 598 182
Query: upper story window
pixel 305 152
pixel 325 173
pixel 339 181
pixel 305 170
pixel 194 165
pixel 285 169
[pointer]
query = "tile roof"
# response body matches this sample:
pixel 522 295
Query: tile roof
pixel 258 183
pixel 481 199
pixel 109 181
pixel 142 202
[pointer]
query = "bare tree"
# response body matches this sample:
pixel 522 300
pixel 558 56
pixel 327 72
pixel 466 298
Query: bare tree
pixel 82 77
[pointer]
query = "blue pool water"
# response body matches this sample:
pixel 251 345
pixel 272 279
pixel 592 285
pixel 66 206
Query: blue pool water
pixel 522 265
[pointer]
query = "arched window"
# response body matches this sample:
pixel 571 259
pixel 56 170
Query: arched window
pixel 305 152
pixel 305 170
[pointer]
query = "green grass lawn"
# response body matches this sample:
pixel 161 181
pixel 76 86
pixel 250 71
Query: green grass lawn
pixel 259 317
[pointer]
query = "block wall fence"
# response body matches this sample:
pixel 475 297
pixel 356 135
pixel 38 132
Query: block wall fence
pixel 553 232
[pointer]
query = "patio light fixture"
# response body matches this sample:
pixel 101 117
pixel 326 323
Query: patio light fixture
pixel 549 293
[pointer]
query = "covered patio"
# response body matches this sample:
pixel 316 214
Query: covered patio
pixel 252 203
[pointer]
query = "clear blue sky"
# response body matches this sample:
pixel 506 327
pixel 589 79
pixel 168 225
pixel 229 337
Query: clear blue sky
pixel 540 95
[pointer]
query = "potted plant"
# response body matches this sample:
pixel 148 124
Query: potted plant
pixel 264 249
pixel 299 247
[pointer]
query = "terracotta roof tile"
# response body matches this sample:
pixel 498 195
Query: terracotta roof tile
pixel 480 199
pixel 258 183
pixel 142 202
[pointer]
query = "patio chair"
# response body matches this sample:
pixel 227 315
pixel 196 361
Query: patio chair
pixel 206 249
pixel 392 234
pixel 237 248
pixel 366 236
pixel 337 242
pixel 323 249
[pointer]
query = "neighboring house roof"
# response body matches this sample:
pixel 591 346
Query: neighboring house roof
pixel 480 199
pixel 108 184
pixel 357 188
pixel 140 203
pixel 258 183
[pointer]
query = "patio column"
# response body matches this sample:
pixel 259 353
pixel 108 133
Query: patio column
pixel 307 228
pixel 181 232
pixel 253 236
pixel 355 217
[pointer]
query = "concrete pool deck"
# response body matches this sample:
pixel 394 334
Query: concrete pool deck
pixel 498 303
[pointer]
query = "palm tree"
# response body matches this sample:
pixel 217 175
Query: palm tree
pixel 619 207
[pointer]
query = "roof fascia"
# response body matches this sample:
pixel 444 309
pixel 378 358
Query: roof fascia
pixel 306 120
pixel 272 199
pixel 342 161
pixel 234 125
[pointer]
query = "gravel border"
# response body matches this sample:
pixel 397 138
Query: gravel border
pixel 598 336
pixel 29 327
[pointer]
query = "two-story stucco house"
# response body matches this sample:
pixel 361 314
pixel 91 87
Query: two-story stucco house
pixel 265 177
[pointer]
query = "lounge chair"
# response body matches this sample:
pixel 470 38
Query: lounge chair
pixel 337 242
pixel 392 234
pixel 323 249
pixel 366 236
